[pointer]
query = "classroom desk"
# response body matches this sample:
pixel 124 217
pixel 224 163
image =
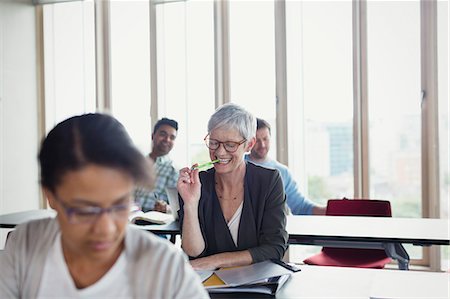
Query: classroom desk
pixel 13 219
pixel 342 282
pixel 339 231
pixel 172 229
pixel 369 232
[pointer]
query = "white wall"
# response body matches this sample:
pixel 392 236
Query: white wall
pixel 19 188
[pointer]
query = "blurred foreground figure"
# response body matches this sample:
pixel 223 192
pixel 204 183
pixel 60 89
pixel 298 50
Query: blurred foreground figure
pixel 89 169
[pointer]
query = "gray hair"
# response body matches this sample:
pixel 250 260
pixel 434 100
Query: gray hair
pixel 233 116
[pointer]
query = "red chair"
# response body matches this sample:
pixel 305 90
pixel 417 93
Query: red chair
pixel 353 257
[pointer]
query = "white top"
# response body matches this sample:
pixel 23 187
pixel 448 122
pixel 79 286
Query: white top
pixel 233 224
pixel 23 261
pixel 57 281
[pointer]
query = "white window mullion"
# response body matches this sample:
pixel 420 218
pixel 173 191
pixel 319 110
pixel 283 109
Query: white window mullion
pixel 221 52
pixel 360 104
pixel 429 105
pixel 280 82
pixel 102 53
pixel 153 66
pixel 40 85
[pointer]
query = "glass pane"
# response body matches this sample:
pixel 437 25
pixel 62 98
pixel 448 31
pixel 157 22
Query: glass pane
pixel 130 69
pixel 69 55
pixel 320 97
pixel 444 123
pixel 185 49
pixel 252 59
pixel 394 105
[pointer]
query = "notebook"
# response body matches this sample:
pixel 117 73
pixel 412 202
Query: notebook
pixel 155 217
pixel 150 217
pixel 264 277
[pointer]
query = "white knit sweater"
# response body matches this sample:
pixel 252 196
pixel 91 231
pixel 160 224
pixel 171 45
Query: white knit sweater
pixel 158 269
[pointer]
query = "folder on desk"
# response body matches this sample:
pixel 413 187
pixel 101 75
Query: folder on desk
pixel 264 277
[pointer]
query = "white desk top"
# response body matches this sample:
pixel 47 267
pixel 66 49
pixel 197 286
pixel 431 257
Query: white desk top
pixel 410 284
pixel 422 231
pixel 373 229
pixel 341 282
pixel 12 219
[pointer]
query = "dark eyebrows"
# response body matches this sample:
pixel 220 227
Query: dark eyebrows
pixel 86 202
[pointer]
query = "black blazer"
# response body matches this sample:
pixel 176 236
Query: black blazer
pixel 262 228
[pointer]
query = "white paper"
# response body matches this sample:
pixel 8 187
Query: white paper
pixel 204 274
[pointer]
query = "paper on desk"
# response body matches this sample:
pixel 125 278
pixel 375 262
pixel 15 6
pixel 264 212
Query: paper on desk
pixel 252 273
pixel 152 217
pixel 265 287
pixel 204 274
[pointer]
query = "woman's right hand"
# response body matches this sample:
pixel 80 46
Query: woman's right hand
pixel 189 186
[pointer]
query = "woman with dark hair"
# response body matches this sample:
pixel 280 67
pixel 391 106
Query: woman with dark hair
pixel 89 169
pixel 233 214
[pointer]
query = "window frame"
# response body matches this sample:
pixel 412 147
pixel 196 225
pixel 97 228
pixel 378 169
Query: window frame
pixel 429 119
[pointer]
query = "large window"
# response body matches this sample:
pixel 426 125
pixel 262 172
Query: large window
pixel 130 69
pixel 69 55
pixel 185 73
pixel 394 105
pixel 320 101
pixel 319 65
pixel 252 59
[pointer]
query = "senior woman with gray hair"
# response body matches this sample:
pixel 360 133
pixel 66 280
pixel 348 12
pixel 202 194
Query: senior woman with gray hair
pixel 234 213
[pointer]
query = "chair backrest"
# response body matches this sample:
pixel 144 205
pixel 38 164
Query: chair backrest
pixel 172 196
pixel 359 207
pixel 354 257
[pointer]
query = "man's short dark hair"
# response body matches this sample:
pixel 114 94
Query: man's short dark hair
pixel 165 121
pixel 261 124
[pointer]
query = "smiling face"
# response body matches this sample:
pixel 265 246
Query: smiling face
pixel 262 146
pixel 101 240
pixel 229 161
pixel 163 140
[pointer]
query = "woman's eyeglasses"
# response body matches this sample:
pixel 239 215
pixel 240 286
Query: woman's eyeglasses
pixel 229 146
pixel 87 215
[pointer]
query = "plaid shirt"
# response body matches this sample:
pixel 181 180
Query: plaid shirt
pixel 166 176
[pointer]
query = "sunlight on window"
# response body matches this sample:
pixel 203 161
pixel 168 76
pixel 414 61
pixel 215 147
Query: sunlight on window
pixel 252 59
pixel 320 102
pixel 185 39
pixel 394 105
pixel 130 69
pixel 319 62
pixel 69 54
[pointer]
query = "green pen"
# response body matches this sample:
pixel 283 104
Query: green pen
pixel 205 164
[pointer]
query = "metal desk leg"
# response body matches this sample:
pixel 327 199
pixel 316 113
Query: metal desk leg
pixel 397 252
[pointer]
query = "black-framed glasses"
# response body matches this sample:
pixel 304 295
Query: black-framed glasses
pixel 229 146
pixel 90 214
